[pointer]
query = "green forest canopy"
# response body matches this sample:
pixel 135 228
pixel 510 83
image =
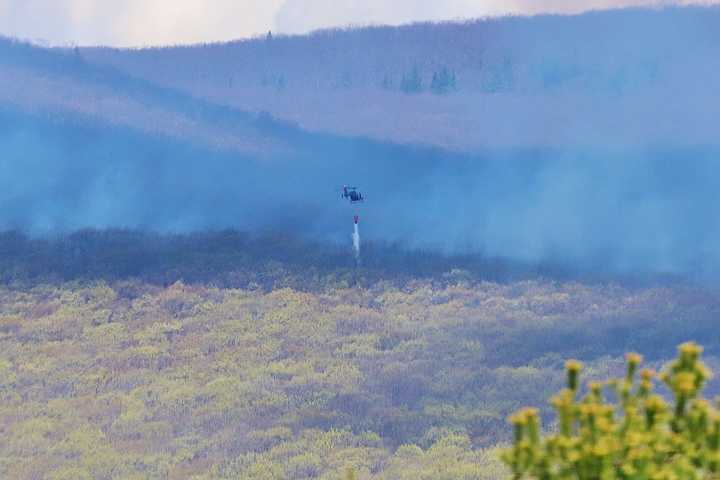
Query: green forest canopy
pixel 128 379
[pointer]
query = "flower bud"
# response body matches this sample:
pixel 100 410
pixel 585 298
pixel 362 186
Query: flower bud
pixel 573 368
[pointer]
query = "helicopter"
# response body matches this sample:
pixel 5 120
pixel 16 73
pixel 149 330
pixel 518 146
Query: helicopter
pixel 352 194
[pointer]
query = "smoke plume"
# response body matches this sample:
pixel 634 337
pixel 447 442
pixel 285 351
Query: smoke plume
pixel 616 210
pixel 627 189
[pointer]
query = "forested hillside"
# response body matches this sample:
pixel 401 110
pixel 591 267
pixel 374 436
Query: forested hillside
pixel 63 86
pixel 113 373
pixel 612 78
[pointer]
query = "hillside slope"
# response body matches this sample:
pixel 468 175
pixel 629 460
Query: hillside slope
pixel 63 85
pixel 134 380
pixel 612 78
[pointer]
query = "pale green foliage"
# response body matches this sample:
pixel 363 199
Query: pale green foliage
pixel 195 382
pixel 140 381
pixel 639 436
pixel 450 458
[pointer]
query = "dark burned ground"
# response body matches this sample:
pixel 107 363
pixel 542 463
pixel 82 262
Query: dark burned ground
pixel 234 259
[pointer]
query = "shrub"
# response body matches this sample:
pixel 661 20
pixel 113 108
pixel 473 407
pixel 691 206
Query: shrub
pixel 635 435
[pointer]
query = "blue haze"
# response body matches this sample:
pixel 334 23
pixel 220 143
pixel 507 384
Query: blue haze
pixel 590 201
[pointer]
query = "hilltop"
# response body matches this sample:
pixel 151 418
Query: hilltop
pixel 618 78
pixel 613 78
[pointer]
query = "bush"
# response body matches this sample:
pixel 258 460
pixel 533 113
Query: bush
pixel 636 435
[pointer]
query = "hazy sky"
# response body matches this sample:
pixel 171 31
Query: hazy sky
pixel 162 22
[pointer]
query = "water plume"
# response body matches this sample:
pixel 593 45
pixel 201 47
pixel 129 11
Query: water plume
pixel 356 240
